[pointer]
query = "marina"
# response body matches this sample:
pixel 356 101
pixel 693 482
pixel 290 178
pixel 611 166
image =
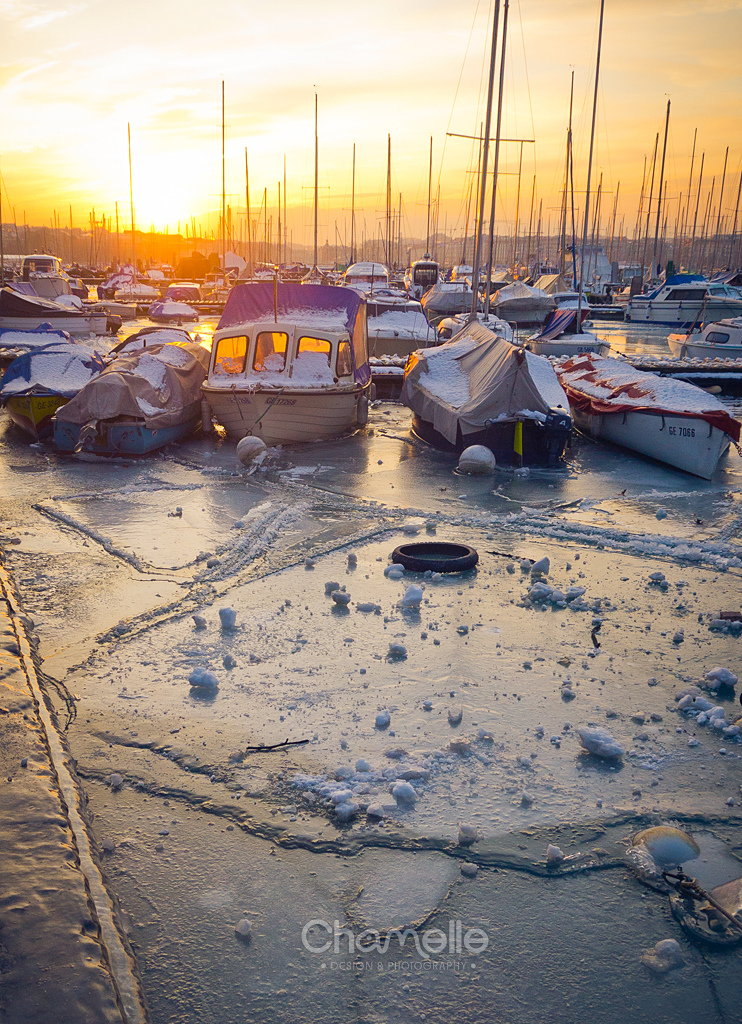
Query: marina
pixel 370 514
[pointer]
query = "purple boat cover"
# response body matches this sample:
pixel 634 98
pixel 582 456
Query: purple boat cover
pixel 556 324
pixel 308 305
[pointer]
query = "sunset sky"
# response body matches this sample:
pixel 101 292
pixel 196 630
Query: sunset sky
pixel 72 75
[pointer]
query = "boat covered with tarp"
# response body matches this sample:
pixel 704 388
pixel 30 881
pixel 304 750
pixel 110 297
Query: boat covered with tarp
pixel 19 312
pixel 290 363
pixel 168 311
pixel 666 419
pixel 481 389
pixel 41 380
pixel 447 298
pixel 520 303
pixel 142 401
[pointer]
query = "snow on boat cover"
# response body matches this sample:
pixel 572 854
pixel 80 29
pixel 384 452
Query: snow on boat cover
pixel 307 305
pixel 477 379
pixel 603 385
pixel 160 385
pixel 60 369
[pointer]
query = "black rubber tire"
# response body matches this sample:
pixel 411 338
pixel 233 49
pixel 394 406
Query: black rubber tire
pixel 435 556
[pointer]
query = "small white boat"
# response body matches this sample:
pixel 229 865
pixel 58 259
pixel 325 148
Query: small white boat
pixel 521 304
pixel 366 277
pixel 720 340
pixel 29 312
pixel 446 298
pixel 289 363
pixel 168 311
pixel 666 419
pixel 558 337
pixel 396 326
pixel 451 325
pixel 421 276
pixel 685 300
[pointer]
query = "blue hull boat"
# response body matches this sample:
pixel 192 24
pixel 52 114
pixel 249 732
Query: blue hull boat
pixel 118 438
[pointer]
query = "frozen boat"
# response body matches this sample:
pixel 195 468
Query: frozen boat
pixel 141 401
pixel 720 340
pixel 480 389
pixel 41 380
pixel 28 312
pixel 421 276
pixel 450 326
pixel 15 343
pixel 148 337
pixel 290 363
pixel 366 277
pixel 184 291
pixel 396 326
pixel 170 312
pixel 559 338
pixel 519 303
pixel 685 300
pixel 666 419
pixel 446 298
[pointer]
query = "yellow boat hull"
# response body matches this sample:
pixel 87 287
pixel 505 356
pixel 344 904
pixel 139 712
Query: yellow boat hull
pixel 33 413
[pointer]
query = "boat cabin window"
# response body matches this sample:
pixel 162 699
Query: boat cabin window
pixel 344 362
pixel 683 294
pixel 313 357
pixel 717 336
pixel 231 354
pixel 270 352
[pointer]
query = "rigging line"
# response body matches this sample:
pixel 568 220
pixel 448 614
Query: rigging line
pixel 458 86
pixel 528 80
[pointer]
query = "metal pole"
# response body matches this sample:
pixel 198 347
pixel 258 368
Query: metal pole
pixel 590 164
pixel 659 195
pixel 131 206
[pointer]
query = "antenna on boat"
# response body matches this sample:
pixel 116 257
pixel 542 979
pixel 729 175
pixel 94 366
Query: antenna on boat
pixel 131 206
pixel 586 222
pixel 483 170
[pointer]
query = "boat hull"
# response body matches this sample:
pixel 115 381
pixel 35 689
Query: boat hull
pixel 543 445
pixel 570 346
pixel 78 326
pixel 288 417
pixel 524 312
pixel 680 348
pixel 120 438
pixel 383 344
pixel 679 313
pixel 685 442
pixel 33 413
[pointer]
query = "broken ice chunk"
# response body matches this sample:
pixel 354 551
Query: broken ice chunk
pixel 228 618
pixel 598 741
pixel 404 793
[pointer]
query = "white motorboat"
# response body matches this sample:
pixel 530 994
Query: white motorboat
pixel 720 340
pixel 289 363
pixel 396 326
pixel 559 338
pixel 685 300
pixel 666 419
pixel 519 303
pixel 29 312
pixel 421 276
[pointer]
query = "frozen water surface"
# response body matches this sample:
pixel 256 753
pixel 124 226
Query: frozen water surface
pixel 113 560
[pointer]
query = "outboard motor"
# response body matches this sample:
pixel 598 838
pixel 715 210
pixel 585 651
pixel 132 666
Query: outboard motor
pixel 558 427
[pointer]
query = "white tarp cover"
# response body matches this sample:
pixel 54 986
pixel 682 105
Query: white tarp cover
pixel 447 297
pixel 523 296
pixel 477 378
pixel 160 385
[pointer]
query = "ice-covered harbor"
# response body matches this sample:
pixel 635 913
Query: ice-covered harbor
pixel 357 751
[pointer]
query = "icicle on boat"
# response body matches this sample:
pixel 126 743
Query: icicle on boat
pixel 666 419
pixel 141 401
pixel 290 363
pixel 42 380
pixel 480 389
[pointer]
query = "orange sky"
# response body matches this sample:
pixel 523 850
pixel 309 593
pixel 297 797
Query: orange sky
pixel 72 75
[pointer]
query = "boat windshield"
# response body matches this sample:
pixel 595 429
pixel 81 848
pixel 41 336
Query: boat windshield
pixel 231 354
pixel 718 337
pixel 270 352
pixel 344 362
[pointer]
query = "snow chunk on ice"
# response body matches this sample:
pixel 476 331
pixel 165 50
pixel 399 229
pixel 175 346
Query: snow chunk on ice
pixel 598 741
pixel 383 719
pixel 718 677
pixel 542 566
pixel 413 595
pixel 228 618
pixel 404 794
pixel 554 855
pixel 665 956
pixel 202 679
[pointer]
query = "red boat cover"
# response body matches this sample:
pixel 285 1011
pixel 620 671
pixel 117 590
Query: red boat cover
pixel 603 385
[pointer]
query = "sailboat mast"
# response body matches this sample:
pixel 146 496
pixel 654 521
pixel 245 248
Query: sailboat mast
pixel 131 205
pixel 563 220
pixel 496 161
pixel 718 217
pixel 316 181
pixel 649 204
pixel 388 246
pixel 691 252
pixel 352 257
pixel 483 168
pixel 250 265
pixel 659 194
pixel 285 227
pixel 224 199
pixel 734 225
pixel 430 189
pixel 586 222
